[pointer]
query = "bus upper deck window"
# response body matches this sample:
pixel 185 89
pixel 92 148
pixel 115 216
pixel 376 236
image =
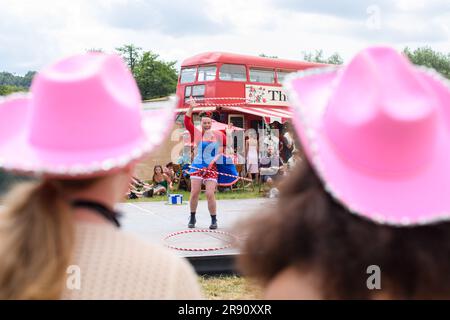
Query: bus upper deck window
pixel 188 75
pixel 262 75
pixel 232 72
pixel 207 73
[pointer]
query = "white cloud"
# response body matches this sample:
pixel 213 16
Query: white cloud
pixel 34 33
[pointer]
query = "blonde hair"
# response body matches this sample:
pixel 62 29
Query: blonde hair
pixel 36 238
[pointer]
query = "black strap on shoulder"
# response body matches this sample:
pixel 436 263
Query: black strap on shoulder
pixel 110 215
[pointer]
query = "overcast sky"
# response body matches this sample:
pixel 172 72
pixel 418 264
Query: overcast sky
pixel 34 33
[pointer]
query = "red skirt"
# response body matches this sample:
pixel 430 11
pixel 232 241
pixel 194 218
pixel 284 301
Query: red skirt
pixel 206 173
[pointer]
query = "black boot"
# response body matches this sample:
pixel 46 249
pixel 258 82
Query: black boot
pixel 192 221
pixel 213 222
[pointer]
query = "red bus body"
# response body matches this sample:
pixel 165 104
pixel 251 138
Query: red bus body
pixel 228 81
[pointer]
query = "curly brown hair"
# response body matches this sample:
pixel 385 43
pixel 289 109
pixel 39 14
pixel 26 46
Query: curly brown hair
pixel 309 230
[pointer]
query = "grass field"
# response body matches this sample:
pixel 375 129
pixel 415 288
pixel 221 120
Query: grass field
pixel 229 288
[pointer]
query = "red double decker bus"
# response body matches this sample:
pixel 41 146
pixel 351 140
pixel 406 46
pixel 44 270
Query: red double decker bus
pixel 244 90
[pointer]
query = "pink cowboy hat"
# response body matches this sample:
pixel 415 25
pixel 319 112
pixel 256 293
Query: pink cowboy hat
pixel 83 117
pixel 377 132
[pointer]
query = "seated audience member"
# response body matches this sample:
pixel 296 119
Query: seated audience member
pixel 185 159
pixel 365 215
pixel 133 193
pixel 139 184
pixel 294 160
pixel 270 167
pixel 169 171
pixel 287 142
pixel 185 155
pixel 272 137
pixel 161 181
pixel 139 189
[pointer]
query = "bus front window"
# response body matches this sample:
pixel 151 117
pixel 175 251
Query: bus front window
pixel 232 72
pixel 207 73
pixel 188 75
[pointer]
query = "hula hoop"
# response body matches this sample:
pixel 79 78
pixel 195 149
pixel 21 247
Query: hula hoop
pixel 174 234
pixel 220 104
pixel 218 172
pixel 212 104
pixel 222 98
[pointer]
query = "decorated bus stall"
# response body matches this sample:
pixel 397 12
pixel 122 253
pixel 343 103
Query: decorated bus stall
pixel 244 90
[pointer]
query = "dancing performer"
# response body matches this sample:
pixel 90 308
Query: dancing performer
pixel 208 164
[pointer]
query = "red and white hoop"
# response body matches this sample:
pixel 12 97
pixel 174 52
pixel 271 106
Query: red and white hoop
pixel 174 234
pixel 218 172
pixel 240 101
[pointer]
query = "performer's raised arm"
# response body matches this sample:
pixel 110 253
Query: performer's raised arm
pixel 188 117
pixel 192 104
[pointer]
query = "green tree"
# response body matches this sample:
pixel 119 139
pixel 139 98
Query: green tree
pixel 318 57
pixel 28 78
pixel 131 54
pixel 9 79
pixel 6 90
pixel 155 78
pixel 267 56
pixel 335 58
pixel 425 56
